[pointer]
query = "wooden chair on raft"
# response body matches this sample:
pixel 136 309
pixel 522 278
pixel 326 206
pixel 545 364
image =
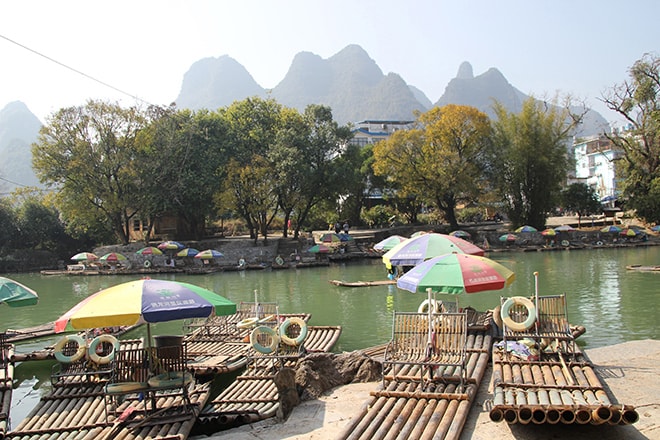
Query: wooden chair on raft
pixel 439 354
pixel 545 321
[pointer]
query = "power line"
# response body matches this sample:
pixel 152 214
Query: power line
pixel 75 70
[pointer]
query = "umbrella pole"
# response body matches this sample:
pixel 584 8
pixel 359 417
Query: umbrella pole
pixel 149 350
pixel 428 291
pixel 256 305
pixel 536 296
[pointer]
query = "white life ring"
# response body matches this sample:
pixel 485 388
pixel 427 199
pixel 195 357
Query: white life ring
pixel 263 330
pixel 247 323
pixel 103 360
pixel 436 306
pixel 301 336
pixel 565 243
pixel 279 261
pixel 518 301
pixel 170 379
pixel 146 264
pixel 65 359
pixel 242 263
pixel 599 243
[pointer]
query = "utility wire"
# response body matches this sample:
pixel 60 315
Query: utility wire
pixel 75 70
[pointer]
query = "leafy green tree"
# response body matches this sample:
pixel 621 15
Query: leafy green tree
pixel 39 225
pixel 581 199
pixel 638 102
pixel 185 153
pixel 440 162
pixel 529 160
pixel 87 153
pixel 8 225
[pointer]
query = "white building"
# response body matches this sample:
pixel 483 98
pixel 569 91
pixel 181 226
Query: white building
pixel 595 160
pixel 372 131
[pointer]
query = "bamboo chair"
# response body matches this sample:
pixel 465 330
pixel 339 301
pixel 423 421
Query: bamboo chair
pixel 170 374
pixel 551 329
pixel 130 372
pixel 410 347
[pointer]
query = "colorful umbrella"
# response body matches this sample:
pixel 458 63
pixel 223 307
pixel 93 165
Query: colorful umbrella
pixel 612 229
pixel 84 256
pixel 320 249
pixel 389 242
pixel 655 228
pixel 144 301
pixel 418 233
pixel 113 257
pixel 330 237
pixel 549 232
pixel 456 273
pixel 187 252
pixel 15 294
pixel 345 237
pixel 209 254
pixel 170 246
pixel 508 238
pixel 564 228
pixel 421 248
pixel 526 228
pixel 629 232
pixel 150 250
pixel 460 234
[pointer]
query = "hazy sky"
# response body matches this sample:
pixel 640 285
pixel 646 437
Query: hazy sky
pixel 144 48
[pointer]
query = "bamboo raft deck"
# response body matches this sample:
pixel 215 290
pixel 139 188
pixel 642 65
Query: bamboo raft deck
pixel 6 384
pixel 405 407
pixel 362 283
pixel 553 390
pixel 48 329
pixel 77 408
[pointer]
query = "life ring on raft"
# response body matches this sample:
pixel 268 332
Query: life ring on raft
pixel 67 359
pixel 242 263
pixel 94 345
pixel 301 336
pixel 436 306
pixel 264 331
pixel 518 301
pixel 125 387
pixel 599 243
pixel 565 243
pixel 146 264
pixel 170 379
pixel 248 323
pixel 279 261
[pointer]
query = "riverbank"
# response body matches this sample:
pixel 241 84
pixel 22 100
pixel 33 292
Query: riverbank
pixel 629 370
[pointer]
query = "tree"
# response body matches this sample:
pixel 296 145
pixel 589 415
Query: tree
pixel 529 160
pixel 441 161
pixel 87 153
pixel 638 102
pixel 581 199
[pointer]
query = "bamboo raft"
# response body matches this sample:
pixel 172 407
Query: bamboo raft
pixel 362 283
pixel 640 268
pixel 6 384
pixel 77 408
pixel 48 329
pixel 410 404
pixel 553 391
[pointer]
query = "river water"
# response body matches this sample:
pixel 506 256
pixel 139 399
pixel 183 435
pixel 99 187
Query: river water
pixel 614 304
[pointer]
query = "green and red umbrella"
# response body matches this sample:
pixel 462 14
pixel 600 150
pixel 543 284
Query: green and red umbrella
pixel 456 273
pixel 149 250
pixel 84 256
pixel 509 238
pixel 15 294
pixel 460 234
pixel 330 237
pixel 113 257
pixel 320 249
pixel 389 242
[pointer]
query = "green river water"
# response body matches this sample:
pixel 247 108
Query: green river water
pixel 614 304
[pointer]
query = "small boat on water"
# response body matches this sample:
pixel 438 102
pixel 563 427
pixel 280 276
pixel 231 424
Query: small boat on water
pixel 640 268
pixel 362 283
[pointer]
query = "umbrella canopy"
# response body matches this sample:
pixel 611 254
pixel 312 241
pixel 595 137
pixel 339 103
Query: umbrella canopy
pixel 564 228
pixel 345 237
pixel 456 273
pixel 15 294
pixel 549 232
pixel 150 250
pixel 460 234
pixel 629 232
pixel 187 252
pixel 320 249
pixel 508 237
pixel 170 246
pixel 655 228
pixel 330 237
pixel 84 256
pixel 209 254
pixel 612 229
pixel 526 228
pixel 421 248
pixel 113 257
pixel 418 233
pixel 389 242
pixel 144 301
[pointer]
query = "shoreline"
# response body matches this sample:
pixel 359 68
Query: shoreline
pixel 628 370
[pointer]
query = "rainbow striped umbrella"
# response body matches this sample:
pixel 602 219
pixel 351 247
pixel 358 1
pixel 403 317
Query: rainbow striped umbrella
pixel 149 250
